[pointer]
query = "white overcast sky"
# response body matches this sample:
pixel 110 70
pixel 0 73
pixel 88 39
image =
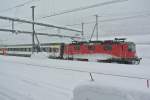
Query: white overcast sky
pixel 137 25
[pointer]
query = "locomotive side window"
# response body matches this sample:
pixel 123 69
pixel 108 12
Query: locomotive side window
pixel 91 47
pixel 108 47
pixel 77 47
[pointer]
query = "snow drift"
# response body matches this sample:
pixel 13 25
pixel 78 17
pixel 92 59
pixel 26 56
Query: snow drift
pixel 39 55
pixel 94 91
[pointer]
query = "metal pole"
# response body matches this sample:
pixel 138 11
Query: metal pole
pixel 12 25
pixel 147 83
pixel 97 27
pixel 82 31
pixel 33 29
pixel 93 32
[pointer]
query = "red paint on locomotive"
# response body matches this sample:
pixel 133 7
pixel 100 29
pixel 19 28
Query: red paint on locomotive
pixel 113 48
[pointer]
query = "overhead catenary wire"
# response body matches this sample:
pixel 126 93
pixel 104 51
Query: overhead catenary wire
pixel 106 20
pixel 18 6
pixel 114 19
pixel 84 8
pixel 138 15
pixel 85 22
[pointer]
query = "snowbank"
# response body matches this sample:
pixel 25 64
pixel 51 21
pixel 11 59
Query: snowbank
pixel 97 91
pixel 39 55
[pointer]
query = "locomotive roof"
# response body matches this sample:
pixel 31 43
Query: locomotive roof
pixel 116 41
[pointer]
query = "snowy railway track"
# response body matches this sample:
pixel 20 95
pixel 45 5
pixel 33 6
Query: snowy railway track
pixel 82 71
pixel 37 79
pixel 35 83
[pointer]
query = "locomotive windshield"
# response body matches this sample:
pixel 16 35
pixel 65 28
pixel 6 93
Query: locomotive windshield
pixel 131 47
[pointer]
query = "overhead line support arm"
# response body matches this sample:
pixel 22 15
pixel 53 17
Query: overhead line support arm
pixel 37 23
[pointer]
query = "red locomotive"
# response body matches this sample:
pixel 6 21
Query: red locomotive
pixel 103 51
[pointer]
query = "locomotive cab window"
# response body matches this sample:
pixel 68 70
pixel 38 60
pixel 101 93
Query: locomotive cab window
pixel 108 47
pixel 131 47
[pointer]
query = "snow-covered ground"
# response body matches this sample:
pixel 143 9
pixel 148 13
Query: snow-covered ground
pixel 98 91
pixel 49 79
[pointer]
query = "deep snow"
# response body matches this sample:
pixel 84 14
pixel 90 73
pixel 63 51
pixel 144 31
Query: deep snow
pixel 98 91
pixel 45 79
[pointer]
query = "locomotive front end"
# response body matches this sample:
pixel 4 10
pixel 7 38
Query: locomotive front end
pixel 132 54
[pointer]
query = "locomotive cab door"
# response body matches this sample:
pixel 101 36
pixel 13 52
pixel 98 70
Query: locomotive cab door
pixel 123 54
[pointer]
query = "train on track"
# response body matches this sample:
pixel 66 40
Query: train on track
pixel 117 50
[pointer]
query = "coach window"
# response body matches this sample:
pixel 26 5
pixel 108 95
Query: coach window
pixel 108 47
pixel 44 49
pixel 47 49
pixel 26 49
pixel 21 49
pixel 29 49
pixel 50 49
pixel 55 50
